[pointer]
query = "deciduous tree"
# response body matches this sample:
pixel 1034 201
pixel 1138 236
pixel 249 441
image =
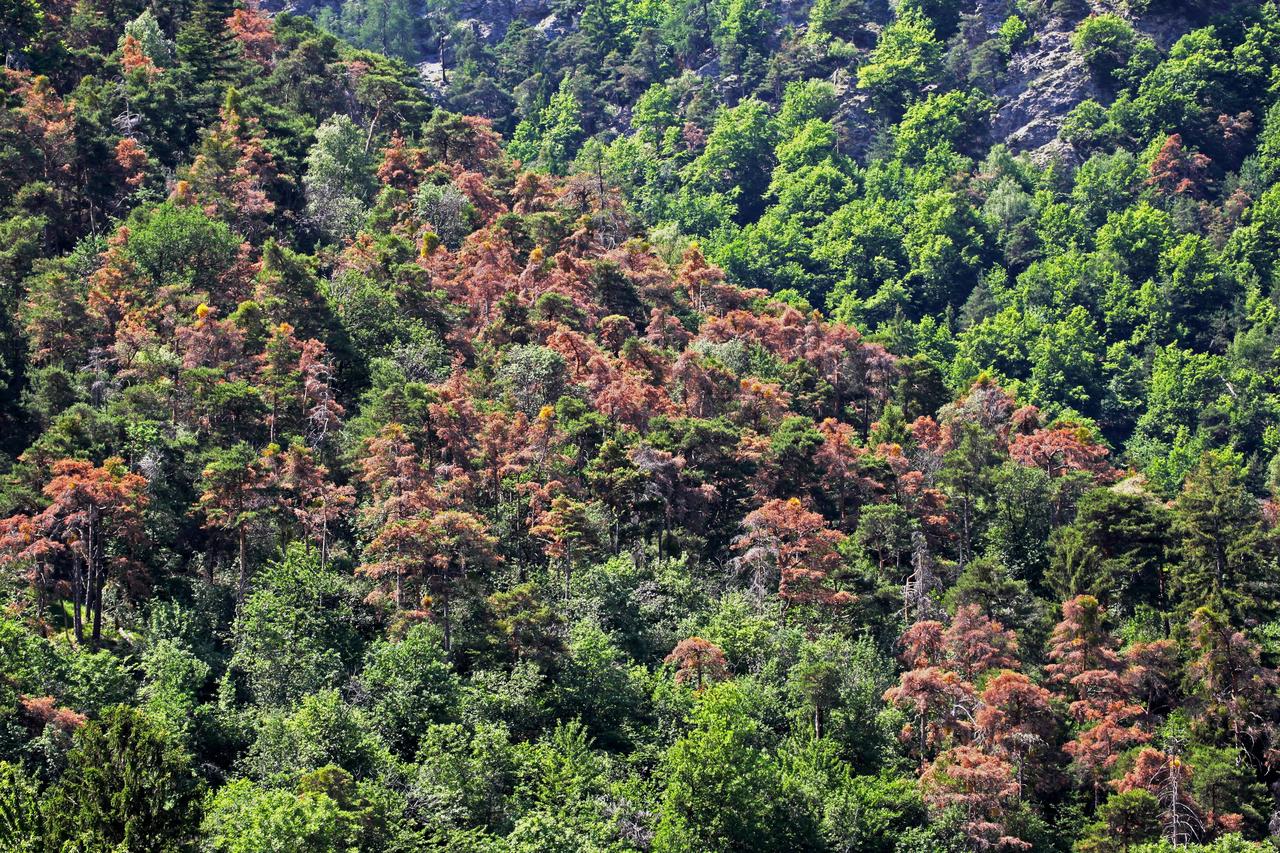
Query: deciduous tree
pixel 698 661
pixel 782 539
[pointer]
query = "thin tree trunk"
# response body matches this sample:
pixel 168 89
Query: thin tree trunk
pixel 448 634
pixel 95 590
pixel 93 586
pixel 77 584
pixel 87 592
pixel 368 140
pixel 444 72
pixel 243 585
pixel 324 543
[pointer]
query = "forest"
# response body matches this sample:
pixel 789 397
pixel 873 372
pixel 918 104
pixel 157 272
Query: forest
pixel 596 426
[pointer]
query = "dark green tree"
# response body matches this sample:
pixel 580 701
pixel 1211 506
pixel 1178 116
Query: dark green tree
pixel 1115 550
pixel 1227 555
pixel 126 786
pixel 207 55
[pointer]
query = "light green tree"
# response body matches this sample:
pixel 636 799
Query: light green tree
pixel 905 58
pixel 340 180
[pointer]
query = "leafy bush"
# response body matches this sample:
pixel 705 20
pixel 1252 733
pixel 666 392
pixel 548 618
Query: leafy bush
pixel 1105 41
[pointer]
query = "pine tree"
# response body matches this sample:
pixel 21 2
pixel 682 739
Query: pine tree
pixel 126 787
pixel 1227 557
pixel 207 51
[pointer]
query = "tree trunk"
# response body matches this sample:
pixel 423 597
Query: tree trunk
pixel 444 610
pixel 95 590
pixel 42 603
pixel 90 580
pixel 324 542
pixel 243 585
pixel 77 585
pixel 444 72
pixel 373 123
pixel 93 595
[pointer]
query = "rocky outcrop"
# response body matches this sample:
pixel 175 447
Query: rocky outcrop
pixel 495 16
pixel 1046 79
pixel 1040 85
pixel 1043 84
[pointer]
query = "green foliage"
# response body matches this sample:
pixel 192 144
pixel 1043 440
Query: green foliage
pixel 723 792
pixel 1105 41
pixel 95 681
pixel 245 818
pixel 179 245
pixel 534 376
pixel 293 634
pixel 1014 33
pixel 727 179
pixel 446 210
pixel 21 829
pixel 340 177
pixel 1114 551
pixel 387 26
pixel 564 781
pixel 407 686
pixel 905 58
pixel 470 772
pixel 126 785
pixel 870 813
pixel 322 730
pixel 551 140
pixel 175 679
pixel 668 425
pixel 1225 559
pixel 151 38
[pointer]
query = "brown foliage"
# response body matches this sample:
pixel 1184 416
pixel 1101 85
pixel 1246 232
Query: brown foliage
pixel 698 661
pixel 784 538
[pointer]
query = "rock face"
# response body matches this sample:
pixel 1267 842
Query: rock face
pixel 1044 83
pixel 1046 79
pixel 495 16
pixel 1040 85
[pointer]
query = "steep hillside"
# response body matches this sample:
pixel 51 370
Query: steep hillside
pixel 1046 78
pixel 672 426
pixel 1033 86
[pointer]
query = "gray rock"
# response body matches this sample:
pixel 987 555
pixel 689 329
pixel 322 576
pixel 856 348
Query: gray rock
pixel 498 15
pixel 1046 79
pixel 1044 82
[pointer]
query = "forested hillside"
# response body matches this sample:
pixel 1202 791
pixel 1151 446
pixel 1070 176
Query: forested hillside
pixel 668 425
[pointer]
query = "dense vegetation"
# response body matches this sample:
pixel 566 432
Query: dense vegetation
pixel 672 426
